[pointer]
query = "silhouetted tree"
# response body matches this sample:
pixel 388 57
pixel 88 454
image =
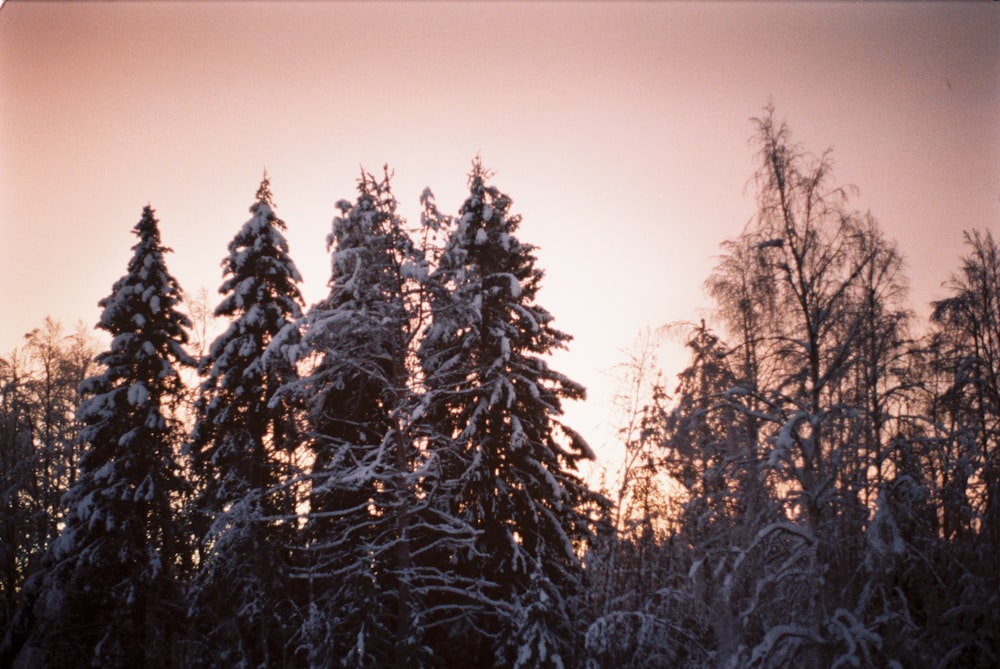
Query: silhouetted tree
pixel 357 396
pixel 110 594
pixel 38 446
pixel 782 437
pixel 966 344
pixel 960 455
pixel 240 453
pixel 503 462
pixel 20 546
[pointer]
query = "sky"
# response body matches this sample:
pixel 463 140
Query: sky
pixel 620 130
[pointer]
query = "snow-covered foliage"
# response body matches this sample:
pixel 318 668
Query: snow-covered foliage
pixel 241 451
pixel 238 438
pixel 826 464
pixel 503 462
pixel 542 625
pixel 386 480
pixel 110 594
pixel 357 394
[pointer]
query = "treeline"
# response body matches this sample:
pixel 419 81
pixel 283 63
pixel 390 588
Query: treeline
pixel 383 479
pixel 823 487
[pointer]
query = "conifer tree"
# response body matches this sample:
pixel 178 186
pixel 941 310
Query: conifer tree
pixel 111 593
pixel 357 395
pixel 240 450
pixel 503 460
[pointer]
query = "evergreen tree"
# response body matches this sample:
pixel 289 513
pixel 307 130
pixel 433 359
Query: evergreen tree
pixel 503 462
pixel 708 447
pixel 111 593
pixel 241 454
pixel 740 568
pixel 357 396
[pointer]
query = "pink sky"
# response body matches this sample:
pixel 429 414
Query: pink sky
pixel 620 130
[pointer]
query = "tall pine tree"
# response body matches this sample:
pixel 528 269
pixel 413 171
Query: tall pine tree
pixel 504 463
pixel 111 595
pixel 241 449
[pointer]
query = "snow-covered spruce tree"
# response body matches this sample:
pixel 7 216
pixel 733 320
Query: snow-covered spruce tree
pixel 240 452
pixel 111 594
pixel 502 461
pixel 356 394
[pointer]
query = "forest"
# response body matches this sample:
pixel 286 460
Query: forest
pixel 385 478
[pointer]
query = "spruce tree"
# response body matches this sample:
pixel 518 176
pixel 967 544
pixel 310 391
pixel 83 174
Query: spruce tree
pixel 357 395
pixel 504 462
pixel 111 595
pixel 241 454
